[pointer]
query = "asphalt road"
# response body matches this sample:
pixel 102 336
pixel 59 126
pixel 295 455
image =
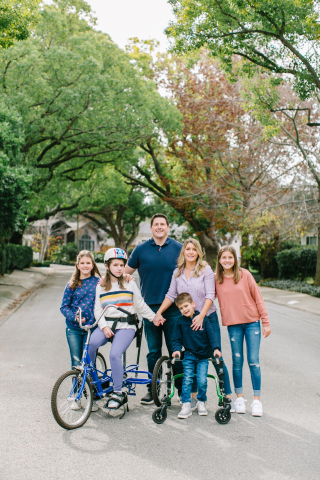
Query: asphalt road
pixel 283 444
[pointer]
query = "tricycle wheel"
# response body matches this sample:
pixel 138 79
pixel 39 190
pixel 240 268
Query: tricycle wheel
pixel 158 416
pixel 222 416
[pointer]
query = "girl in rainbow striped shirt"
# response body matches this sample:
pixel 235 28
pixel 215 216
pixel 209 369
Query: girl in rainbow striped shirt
pixel 114 290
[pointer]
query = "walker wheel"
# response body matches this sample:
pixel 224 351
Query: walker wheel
pixel 222 416
pixel 159 417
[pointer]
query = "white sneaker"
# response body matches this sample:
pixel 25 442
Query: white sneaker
pixel 76 405
pixel 185 411
pixel 95 407
pixel 202 408
pixel 256 406
pixel 233 408
pixel 239 405
pixel 193 404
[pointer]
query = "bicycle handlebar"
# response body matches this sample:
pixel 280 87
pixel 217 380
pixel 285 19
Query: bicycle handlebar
pixel 89 327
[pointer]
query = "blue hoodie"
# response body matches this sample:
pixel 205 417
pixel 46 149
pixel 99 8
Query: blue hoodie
pixel 199 342
pixel 83 297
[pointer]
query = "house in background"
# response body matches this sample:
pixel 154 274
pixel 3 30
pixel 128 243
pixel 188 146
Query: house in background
pixel 90 236
pixel 311 238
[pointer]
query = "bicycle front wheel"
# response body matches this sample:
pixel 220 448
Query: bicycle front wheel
pixel 68 410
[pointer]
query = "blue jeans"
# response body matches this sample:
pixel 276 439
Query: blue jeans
pixel 213 317
pixel 154 339
pixel 251 332
pixel 76 340
pixel 190 364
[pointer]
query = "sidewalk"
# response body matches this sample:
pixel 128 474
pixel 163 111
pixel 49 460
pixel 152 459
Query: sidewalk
pixel 298 301
pixel 16 287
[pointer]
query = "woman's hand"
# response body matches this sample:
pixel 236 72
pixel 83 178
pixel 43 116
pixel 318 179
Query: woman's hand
pixel 266 331
pixel 176 353
pixel 158 320
pixel 128 277
pixel 217 353
pixel 197 322
pixel 108 333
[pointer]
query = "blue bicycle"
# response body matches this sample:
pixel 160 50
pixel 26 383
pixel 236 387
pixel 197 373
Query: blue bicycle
pixel 74 392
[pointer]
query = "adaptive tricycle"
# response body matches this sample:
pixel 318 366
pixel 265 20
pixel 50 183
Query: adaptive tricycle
pixel 163 387
pixel 74 392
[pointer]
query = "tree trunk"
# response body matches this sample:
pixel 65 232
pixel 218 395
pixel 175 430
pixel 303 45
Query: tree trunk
pixel 317 279
pixel 211 248
pixel 244 245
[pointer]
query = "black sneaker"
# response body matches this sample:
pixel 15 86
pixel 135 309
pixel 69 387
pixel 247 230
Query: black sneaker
pixel 147 399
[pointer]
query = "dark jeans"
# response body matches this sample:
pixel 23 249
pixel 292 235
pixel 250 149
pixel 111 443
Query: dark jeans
pixel 76 340
pixel 154 339
pixel 213 317
pixel 190 364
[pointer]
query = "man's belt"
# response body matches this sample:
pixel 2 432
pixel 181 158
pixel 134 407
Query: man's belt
pixel 130 319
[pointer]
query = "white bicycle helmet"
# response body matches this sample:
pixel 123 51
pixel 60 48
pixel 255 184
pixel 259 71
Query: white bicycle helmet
pixel 115 253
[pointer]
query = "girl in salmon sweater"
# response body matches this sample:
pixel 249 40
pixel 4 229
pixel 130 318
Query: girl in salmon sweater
pixel 242 307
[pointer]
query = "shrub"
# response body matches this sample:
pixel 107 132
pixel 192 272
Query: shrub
pixel 66 254
pixel 293 286
pixel 98 256
pixel 297 263
pixel 18 257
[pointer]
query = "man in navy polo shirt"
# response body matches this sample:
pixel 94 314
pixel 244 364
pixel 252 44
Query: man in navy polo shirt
pixel 156 259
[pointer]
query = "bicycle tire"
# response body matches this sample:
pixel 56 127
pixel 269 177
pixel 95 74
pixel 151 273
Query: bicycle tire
pixel 101 363
pixel 161 380
pixel 62 400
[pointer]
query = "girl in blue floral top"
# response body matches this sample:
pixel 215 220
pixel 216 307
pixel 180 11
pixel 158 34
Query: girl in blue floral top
pixel 80 292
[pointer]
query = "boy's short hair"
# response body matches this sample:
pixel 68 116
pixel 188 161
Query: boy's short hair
pixel 183 297
pixel 159 215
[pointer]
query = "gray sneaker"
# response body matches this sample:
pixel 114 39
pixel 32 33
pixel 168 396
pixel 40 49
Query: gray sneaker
pixel 185 411
pixel 95 407
pixel 202 408
pixel 194 402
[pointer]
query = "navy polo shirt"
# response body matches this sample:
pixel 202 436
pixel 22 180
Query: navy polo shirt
pixel 155 266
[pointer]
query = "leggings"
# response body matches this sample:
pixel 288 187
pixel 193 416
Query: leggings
pixel 121 341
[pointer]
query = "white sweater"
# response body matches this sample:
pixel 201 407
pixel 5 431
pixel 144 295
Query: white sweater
pixel 129 299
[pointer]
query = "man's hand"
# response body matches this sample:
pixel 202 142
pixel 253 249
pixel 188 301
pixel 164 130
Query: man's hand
pixel 158 320
pixel 217 353
pixel 266 331
pixel 108 333
pixel 176 353
pixel 197 322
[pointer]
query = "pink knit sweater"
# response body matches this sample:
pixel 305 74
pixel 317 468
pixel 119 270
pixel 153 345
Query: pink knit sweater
pixel 241 302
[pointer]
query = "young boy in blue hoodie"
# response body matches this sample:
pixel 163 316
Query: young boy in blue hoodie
pixel 198 345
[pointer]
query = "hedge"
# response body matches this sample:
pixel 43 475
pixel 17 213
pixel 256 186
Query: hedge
pixel 18 257
pixel 297 263
pixel 293 286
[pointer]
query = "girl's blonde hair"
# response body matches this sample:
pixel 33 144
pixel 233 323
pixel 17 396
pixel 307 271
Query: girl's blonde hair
pixel 106 282
pixel 200 264
pixel 75 280
pixel 236 269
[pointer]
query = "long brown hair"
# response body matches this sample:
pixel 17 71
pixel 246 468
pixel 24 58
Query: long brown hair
pixel 106 282
pixel 236 269
pixel 200 264
pixel 75 280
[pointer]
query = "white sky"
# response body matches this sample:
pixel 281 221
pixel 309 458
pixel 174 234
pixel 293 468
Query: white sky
pixel 123 19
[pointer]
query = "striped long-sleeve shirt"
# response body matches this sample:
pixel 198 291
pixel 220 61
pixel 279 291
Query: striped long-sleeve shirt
pixel 200 288
pixel 130 299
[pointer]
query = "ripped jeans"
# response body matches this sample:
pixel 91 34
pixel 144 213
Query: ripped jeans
pixel 251 332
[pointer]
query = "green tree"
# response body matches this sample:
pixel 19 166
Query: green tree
pixel 17 18
pixel 82 103
pixel 279 36
pixel 14 181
